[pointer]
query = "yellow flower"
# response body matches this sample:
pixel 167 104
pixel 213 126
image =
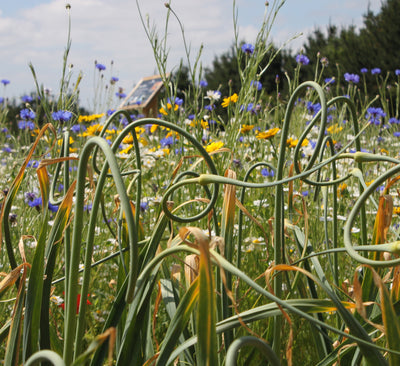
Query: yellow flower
pixel 169 107
pixel 396 210
pixel 214 146
pixel 232 99
pixel 162 111
pixel 93 130
pixel 204 124
pixel 342 189
pixel 153 128
pixel 126 150
pixel 60 141
pixel 143 141
pixel 268 134
pixel 246 128
pixel 111 131
pixel 334 129
pixel 291 142
pixel 128 139
pixel 90 118
pixel 139 130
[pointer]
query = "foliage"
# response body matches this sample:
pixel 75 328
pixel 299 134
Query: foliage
pixel 202 237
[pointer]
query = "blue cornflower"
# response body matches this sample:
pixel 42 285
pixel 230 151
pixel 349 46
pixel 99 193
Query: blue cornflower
pixel 330 80
pixel 32 164
pixel 27 114
pixel 313 108
pixel 396 134
pixel 167 141
pixel 100 67
pixel 351 78
pixel 203 84
pixel 110 112
pixel 26 99
pixel 1 100
pixel 256 84
pixel 265 172
pixel 397 72
pixel 87 207
pixel 177 101
pixel 364 70
pixel 209 107
pixel 394 121
pixel 52 208
pixel 5 82
pixel 248 48
pixel 26 125
pixel 114 79
pixel 120 95
pixel 191 117
pixel 62 116
pixel 77 128
pixel 302 59
pixel 374 115
pixel 36 202
pixel 7 148
pixel 376 71
pixel 144 206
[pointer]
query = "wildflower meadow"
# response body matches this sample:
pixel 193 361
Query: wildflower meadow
pixel 244 229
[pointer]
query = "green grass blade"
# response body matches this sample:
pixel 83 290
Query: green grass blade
pixel 31 332
pixel 171 300
pixel 206 317
pixel 55 236
pixel 390 319
pixel 14 334
pixel 179 322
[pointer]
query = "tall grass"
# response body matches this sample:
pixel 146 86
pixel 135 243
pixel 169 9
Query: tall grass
pixel 194 239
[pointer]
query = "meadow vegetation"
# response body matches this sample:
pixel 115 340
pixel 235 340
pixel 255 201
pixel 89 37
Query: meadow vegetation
pixel 232 229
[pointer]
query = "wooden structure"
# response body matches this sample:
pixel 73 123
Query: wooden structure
pixel 144 96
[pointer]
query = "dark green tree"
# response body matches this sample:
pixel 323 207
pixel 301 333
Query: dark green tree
pixel 375 45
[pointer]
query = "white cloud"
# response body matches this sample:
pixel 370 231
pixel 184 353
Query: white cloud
pixel 105 30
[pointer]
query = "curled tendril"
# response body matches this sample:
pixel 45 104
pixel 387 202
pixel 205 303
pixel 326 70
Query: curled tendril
pixel 45 356
pixel 390 247
pixel 263 347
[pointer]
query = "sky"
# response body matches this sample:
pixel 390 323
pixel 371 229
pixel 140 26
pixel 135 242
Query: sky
pixel 112 33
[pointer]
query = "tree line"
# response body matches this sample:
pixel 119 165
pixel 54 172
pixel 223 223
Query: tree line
pixel 375 45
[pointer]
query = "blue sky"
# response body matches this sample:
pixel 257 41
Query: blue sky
pixel 36 30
